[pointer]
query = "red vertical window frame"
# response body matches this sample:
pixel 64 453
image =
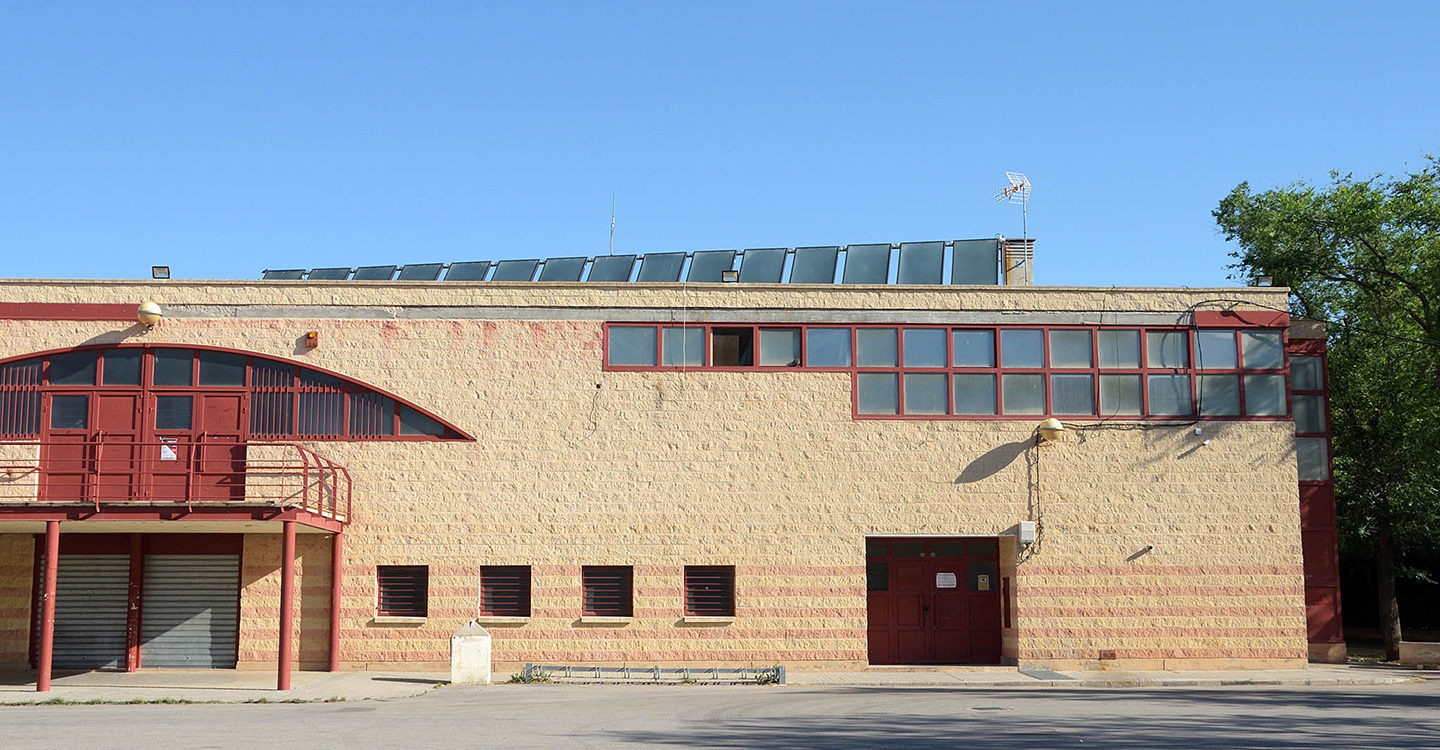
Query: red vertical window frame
pixel 710 590
pixel 20 398
pixel 608 591
pixel 505 590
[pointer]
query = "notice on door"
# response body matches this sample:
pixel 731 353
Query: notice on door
pixel 982 583
pixel 944 580
pixel 167 449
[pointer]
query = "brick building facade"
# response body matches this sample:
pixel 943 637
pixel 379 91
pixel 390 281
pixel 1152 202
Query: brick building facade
pixel 667 473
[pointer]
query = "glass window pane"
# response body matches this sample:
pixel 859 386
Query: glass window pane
pixel 371 414
pixel 877 576
pixel 1219 395
pixel 69 412
pixel 220 368
pixel 982 548
pixel 1166 349
pixel 874 547
pixel 1169 395
pixel 172 412
pixel 122 367
pixel 1265 395
pixel 729 347
pixel 1022 347
pixel 926 393
pixel 271 413
pixel 878 393
pixel 1312 459
pixel 907 549
pixel 1119 349
pixel 1024 394
pixel 974 393
pixel 974 348
pixel 924 347
pixel 827 347
pixel 1120 394
pixel 1309 413
pixel 1305 374
pixel 632 346
pixel 947 548
pixel 683 346
pixel 982 576
pixel 878 347
pixel 1070 349
pixel 74 368
pixel 1072 394
pixel 1215 350
pixel 172 366
pixel 780 347
pixel 1263 350
pixel 413 422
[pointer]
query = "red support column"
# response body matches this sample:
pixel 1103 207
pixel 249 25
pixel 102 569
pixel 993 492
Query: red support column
pixel 47 607
pixel 287 602
pixel 337 558
pixel 132 614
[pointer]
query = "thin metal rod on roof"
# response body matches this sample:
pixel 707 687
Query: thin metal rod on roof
pixel 612 223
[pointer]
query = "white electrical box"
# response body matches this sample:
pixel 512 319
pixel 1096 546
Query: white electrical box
pixel 1025 533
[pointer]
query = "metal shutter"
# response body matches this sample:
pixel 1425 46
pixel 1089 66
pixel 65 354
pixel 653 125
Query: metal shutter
pixel 91 593
pixel 190 609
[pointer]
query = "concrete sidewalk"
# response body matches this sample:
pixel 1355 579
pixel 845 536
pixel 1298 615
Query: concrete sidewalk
pixel 227 686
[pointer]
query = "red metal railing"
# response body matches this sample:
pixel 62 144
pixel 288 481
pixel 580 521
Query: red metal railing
pixel 173 471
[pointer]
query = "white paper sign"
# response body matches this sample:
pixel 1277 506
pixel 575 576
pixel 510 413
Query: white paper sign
pixel 167 449
pixel 944 580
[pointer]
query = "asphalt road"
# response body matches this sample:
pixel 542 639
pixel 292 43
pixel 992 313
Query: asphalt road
pixel 622 716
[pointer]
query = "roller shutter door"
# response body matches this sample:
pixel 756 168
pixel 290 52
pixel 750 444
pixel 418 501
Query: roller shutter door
pixel 91 593
pixel 190 611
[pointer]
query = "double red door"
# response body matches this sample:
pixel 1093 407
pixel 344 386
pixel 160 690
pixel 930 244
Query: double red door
pixel 933 601
pixel 114 445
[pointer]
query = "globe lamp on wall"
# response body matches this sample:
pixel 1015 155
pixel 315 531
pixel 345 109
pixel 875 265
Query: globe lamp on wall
pixel 148 313
pixel 1050 430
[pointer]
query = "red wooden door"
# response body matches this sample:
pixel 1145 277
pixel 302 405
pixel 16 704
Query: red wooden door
pixel 168 454
pixel 221 454
pixel 933 601
pixel 65 455
pixel 119 428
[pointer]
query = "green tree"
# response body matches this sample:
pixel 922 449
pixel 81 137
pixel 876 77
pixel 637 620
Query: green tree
pixel 1365 255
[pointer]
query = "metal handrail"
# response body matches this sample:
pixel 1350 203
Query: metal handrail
pixel 105 470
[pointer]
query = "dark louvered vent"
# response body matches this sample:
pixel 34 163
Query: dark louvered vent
pixel 608 591
pixel 505 591
pixel 710 590
pixel 404 590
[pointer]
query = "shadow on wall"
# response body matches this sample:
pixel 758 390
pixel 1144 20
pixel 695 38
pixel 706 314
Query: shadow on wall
pixel 993 461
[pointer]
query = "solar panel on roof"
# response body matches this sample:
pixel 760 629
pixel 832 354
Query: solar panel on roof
pixel 563 269
pixel 611 268
pixel 514 270
pixel 706 265
pixel 921 263
pixel 866 264
pixel 661 267
pixel 374 273
pixel 814 265
pixel 329 274
pixel 468 271
pixel 283 275
pixel 976 262
pixel 420 272
pixel 764 265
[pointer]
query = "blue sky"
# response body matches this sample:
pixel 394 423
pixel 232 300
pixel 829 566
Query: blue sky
pixel 225 138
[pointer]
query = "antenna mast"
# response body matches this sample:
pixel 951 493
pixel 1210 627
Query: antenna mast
pixel 612 223
pixel 1018 192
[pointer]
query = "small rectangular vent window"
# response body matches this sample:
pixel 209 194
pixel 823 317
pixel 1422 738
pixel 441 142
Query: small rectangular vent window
pixel 505 590
pixel 608 591
pixel 404 590
pixel 710 590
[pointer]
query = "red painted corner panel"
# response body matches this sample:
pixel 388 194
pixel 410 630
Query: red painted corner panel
pixel 1241 318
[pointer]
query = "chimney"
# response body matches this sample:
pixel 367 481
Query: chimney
pixel 1019 262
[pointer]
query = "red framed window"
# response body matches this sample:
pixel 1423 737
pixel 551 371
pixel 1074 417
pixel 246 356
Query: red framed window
pixel 980 372
pixel 505 590
pixel 710 590
pixel 608 590
pixel 1309 395
pixel 404 590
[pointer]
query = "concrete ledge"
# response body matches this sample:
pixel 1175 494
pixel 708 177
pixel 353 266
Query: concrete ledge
pixel 1327 653
pixel 1420 653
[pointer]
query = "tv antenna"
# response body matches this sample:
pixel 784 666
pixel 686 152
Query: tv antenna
pixel 1017 192
pixel 612 223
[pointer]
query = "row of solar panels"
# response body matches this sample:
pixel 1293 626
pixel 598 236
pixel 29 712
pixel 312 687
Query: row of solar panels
pixel 959 262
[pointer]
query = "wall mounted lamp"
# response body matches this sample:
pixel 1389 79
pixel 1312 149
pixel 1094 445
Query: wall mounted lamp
pixel 730 277
pixel 1050 430
pixel 159 272
pixel 148 313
